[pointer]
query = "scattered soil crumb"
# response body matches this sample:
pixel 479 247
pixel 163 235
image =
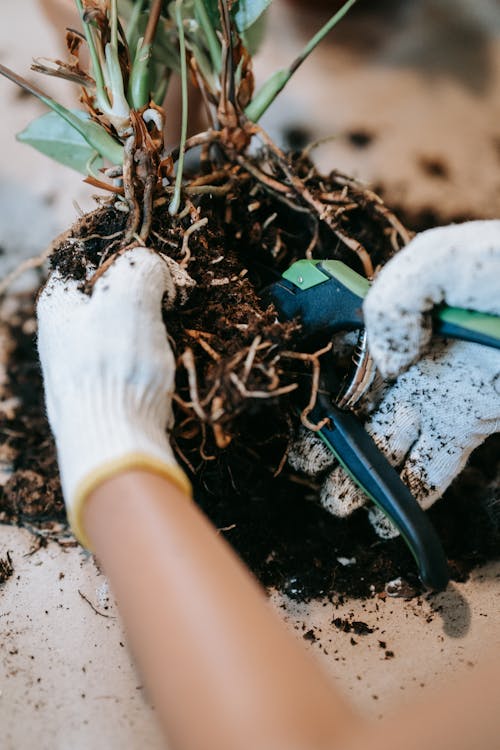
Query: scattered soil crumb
pixel 274 522
pixel 310 636
pixel 352 626
pixel 286 538
pixel 6 568
pixel 399 588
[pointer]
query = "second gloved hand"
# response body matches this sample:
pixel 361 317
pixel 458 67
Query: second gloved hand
pixel 427 424
pixel 444 406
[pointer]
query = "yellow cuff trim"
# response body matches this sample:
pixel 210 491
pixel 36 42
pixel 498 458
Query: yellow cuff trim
pixel 132 461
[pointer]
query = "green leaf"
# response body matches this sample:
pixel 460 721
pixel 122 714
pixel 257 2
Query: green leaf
pixel 209 28
pixel 212 8
pixel 95 135
pixel 176 198
pixel 248 11
pixel 254 35
pixel 54 137
pixel 278 80
pixel 266 95
pixel 245 12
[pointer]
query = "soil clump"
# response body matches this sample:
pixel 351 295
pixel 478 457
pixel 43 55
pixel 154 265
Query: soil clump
pixel 234 401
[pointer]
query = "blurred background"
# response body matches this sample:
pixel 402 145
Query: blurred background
pixel 407 94
pixel 406 91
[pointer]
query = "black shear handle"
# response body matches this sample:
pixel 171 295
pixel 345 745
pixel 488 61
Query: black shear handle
pixel 369 468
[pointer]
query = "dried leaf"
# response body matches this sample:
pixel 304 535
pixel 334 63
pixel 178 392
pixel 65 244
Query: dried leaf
pixel 73 43
pixel 60 69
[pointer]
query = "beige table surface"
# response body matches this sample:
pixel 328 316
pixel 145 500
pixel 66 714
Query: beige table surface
pixel 66 679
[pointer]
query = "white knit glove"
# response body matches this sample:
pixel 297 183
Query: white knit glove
pixel 444 406
pixel 109 376
pixel 458 265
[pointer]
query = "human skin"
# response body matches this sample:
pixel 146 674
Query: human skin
pixel 222 670
pixel 220 667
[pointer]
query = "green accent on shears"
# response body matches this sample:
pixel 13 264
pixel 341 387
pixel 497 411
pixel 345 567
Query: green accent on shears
pixel 367 493
pixel 468 324
pixel 305 274
pixel 356 283
pixel 308 273
pixel 488 325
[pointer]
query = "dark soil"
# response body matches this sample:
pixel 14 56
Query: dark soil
pixel 235 454
pixel 6 568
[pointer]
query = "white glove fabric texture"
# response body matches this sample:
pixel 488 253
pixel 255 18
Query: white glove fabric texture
pixel 457 264
pixel 109 374
pixel 444 406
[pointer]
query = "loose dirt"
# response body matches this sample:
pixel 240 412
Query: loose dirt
pixel 231 441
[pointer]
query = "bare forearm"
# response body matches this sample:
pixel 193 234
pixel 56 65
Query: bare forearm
pixel 220 666
pixel 463 715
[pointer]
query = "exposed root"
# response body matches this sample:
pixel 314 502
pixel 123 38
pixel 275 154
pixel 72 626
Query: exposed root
pixel 205 456
pixel 313 359
pixel 261 394
pixel 250 358
pixel 265 179
pixel 232 366
pixel 185 251
pixel 207 138
pixel 164 240
pixel 187 360
pixel 222 438
pixel 313 242
pixel 147 210
pixel 380 208
pixel 201 337
pixel 323 212
pixel 130 196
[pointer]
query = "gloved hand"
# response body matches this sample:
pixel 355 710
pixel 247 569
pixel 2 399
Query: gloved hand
pixel 457 264
pixel 109 376
pixel 437 412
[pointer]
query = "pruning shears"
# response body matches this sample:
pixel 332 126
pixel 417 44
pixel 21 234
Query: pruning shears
pixel 326 296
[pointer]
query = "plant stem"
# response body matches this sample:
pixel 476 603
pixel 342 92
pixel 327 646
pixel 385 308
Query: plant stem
pixel 154 17
pixel 320 35
pixel 120 108
pixel 211 36
pixel 175 203
pixel 132 24
pixel 138 85
pixel 139 90
pixel 228 82
pixel 277 82
pixel 96 65
pixel 160 91
pixel 114 24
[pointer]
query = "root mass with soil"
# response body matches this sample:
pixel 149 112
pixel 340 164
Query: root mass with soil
pixel 235 412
